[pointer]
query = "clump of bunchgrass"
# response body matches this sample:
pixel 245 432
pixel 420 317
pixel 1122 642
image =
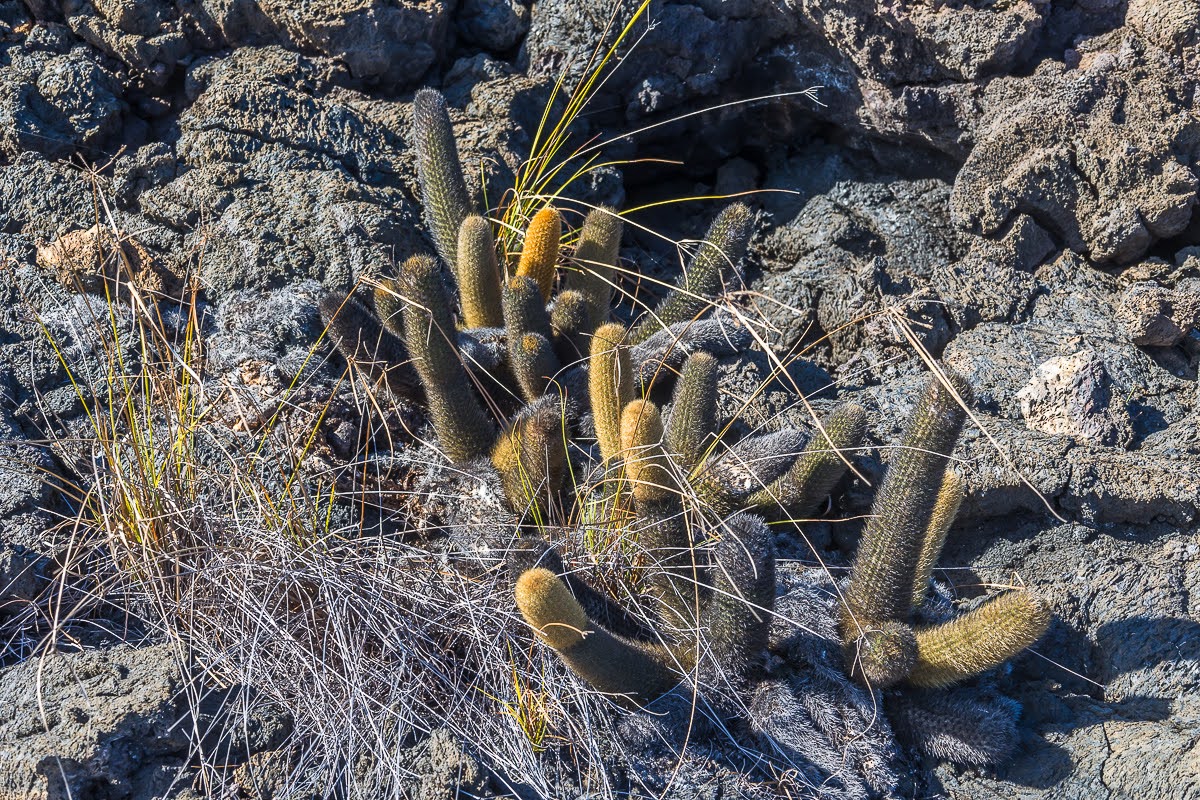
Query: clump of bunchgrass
pixel 209 535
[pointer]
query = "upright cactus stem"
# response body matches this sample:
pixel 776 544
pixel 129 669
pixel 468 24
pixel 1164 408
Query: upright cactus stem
pixel 533 365
pixel 530 353
pixel 389 305
pixel 647 467
pixel 662 534
pixel 464 430
pixel 703 279
pixel 693 422
pixel 478 275
pixel 539 254
pixel 572 328
pixel 610 386
pixel 881 581
pixel 531 457
pixel 444 195
pixel 738 615
pixel 596 256
pixel 945 509
pixel 524 310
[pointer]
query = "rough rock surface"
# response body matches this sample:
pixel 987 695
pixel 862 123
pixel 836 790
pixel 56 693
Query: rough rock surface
pixel 25 511
pixel 1095 138
pixel 1097 154
pixel 91 724
pixel 381 43
pixel 1156 316
pixel 692 49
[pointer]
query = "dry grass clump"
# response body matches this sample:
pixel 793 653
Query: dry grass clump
pixel 367 636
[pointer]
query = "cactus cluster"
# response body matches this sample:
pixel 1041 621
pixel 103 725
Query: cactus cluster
pixel 538 396
pixel 901 636
pixel 890 579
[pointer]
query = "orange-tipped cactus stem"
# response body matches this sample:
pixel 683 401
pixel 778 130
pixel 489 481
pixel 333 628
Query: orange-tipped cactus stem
pixel 647 468
pixel 661 527
pixel 539 254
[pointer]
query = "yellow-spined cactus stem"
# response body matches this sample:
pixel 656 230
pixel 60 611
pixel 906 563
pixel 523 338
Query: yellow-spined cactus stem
pixel 945 509
pixel 979 640
pixel 647 468
pixel 477 274
pixel 610 664
pixel 610 386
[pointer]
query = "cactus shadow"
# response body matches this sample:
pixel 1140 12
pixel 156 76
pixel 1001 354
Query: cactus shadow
pixel 1039 764
pixel 1152 655
pixel 1076 704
